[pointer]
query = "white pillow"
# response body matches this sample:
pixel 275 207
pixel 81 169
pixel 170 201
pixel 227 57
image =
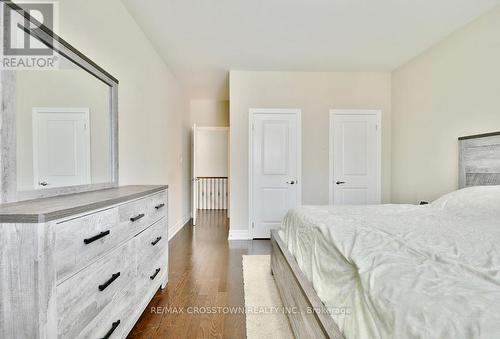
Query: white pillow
pixel 478 200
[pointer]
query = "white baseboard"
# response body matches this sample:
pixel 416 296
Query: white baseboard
pixel 239 235
pixel 172 231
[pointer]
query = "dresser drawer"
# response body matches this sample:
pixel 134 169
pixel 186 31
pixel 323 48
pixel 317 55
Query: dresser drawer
pixel 158 205
pixel 82 240
pixel 152 242
pixel 152 254
pixel 151 275
pixel 115 320
pixel 85 295
pixel 139 214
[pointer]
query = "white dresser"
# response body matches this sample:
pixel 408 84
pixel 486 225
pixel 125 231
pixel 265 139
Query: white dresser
pixel 84 265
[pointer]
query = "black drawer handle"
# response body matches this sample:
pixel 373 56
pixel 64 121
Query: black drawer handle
pixel 156 241
pixel 111 330
pixel 107 283
pixel 154 275
pixel 137 217
pixel 159 206
pixel 95 237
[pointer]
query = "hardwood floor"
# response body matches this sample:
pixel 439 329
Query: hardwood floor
pixel 205 270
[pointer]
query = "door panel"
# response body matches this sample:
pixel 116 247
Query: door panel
pixel 62 136
pixel 355 148
pixel 355 167
pixel 275 170
pixel 274 203
pixel 275 147
pixel 354 196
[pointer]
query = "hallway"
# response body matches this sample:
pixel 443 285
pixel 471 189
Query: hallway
pixel 205 270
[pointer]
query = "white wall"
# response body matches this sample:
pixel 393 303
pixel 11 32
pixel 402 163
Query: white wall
pixel 153 111
pixel 206 112
pixel 315 93
pixel 450 91
pixel 212 152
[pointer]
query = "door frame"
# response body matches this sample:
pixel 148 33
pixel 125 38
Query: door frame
pixel 331 174
pixel 34 132
pixel 194 189
pixel 251 119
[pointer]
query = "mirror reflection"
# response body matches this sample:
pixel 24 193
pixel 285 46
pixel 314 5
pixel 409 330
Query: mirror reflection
pixel 63 123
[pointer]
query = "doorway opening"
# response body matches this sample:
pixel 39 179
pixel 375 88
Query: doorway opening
pixel 209 166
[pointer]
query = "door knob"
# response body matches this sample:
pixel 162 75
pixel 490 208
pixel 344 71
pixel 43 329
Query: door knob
pixel 340 182
pixel 43 183
pixel 291 182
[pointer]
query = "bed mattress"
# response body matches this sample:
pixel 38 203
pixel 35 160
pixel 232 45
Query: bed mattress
pixel 405 271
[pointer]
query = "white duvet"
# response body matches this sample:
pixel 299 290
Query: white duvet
pixel 405 271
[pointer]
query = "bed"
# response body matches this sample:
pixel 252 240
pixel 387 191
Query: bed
pixel 398 271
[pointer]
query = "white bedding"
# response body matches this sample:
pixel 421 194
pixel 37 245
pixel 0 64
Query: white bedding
pixel 405 271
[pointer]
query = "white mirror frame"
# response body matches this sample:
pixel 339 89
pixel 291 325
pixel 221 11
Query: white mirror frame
pixel 8 161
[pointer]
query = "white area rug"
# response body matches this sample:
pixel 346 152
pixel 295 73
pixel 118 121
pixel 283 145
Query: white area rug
pixel 264 316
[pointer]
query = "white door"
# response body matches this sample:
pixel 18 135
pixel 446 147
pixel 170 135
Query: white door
pixel 355 157
pixel 275 169
pixel 61 147
pixel 194 178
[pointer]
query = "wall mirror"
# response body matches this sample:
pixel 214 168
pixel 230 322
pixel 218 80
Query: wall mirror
pixel 59 124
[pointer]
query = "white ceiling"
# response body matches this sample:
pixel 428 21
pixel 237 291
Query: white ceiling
pixel 201 40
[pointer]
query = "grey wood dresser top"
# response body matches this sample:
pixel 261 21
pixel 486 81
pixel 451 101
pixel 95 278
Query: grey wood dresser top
pixel 47 209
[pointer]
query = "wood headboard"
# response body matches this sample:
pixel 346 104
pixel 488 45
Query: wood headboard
pixel 479 163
